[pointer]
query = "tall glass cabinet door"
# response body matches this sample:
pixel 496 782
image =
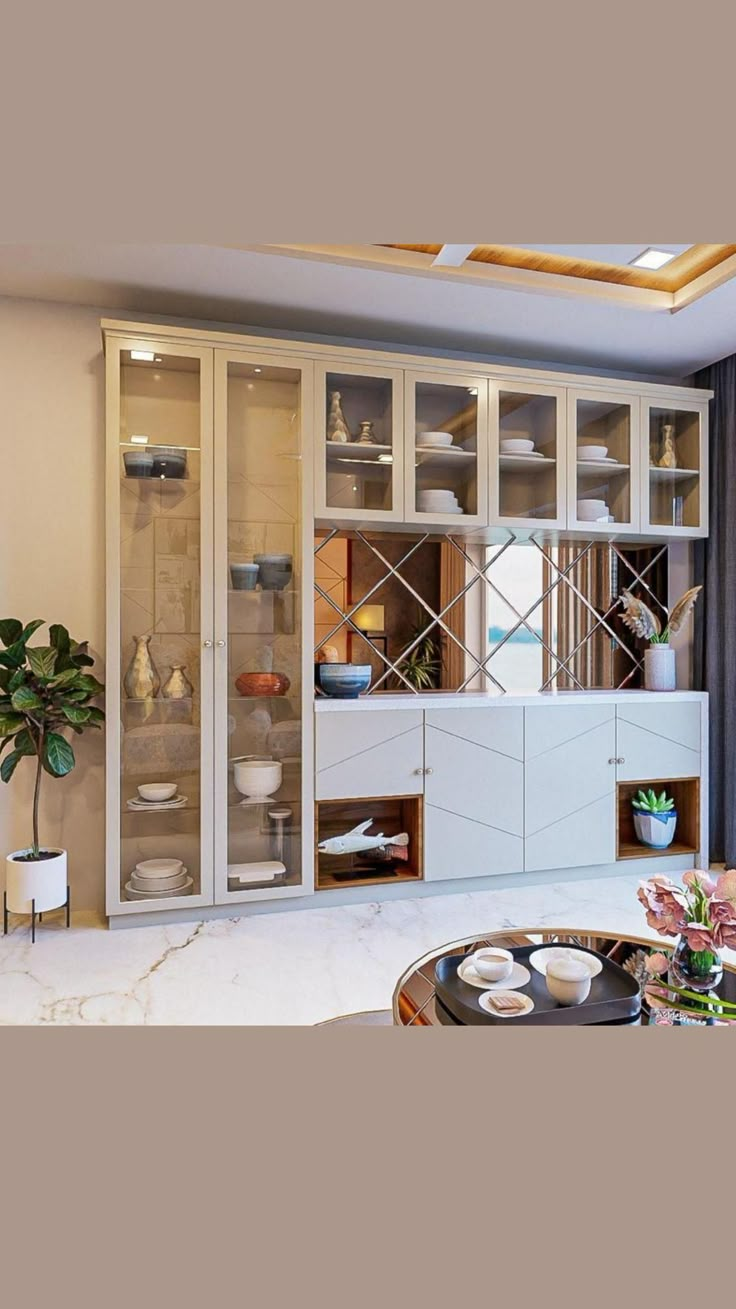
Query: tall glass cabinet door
pixel 160 625
pixel 359 473
pixel 675 475
pixel 603 462
pixel 446 449
pixel 263 572
pixel 528 455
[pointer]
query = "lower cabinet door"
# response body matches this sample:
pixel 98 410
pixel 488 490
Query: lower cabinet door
pixel 473 793
pixel 569 786
pixel 369 753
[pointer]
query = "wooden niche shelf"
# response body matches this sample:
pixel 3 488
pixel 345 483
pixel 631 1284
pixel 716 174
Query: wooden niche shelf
pixel 685 791
pixel 390 815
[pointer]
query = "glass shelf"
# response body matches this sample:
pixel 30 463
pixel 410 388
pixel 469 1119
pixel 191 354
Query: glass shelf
pixel 530 438
pixel 675 444
pixel 444 434
pixel 605 485
pixel 360 413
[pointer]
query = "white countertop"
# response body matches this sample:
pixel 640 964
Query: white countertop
pixel 481 699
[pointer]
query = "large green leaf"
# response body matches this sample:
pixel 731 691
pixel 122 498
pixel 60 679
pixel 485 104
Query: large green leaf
pixel 4 678
pixel 30 628
pixel 10 724
pixel 75 713
pixel 87 683
pixel 24 743
pixel 96 717
pixel 18 679
pixel 25 698
pixel 10 630
pixel 66 677
pixel 9 765
pixel 14 656
pixel 57 754
pixel 59 638
pixel 42 659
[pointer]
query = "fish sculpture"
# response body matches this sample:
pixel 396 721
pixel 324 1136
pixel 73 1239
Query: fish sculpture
pixel 357 842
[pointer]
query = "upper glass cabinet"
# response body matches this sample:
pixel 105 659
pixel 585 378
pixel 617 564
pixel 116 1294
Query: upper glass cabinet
pixel 675 441
pixel 603 495
pixel 358 446
pixel 446 449
pixel 260 586
pixel 528 455
pixel 161 481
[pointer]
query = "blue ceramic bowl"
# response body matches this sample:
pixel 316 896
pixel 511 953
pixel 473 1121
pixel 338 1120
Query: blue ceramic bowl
pixel 344 681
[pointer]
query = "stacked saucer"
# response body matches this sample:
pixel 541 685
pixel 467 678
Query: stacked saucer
pixel 438 502
pixel 593 511
pixel 154 879
pixel 157 796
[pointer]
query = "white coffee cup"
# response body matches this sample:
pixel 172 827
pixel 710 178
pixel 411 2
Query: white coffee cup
pixel 493 964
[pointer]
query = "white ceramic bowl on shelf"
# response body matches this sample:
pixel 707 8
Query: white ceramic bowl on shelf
pixel 158 867
pixel 171 883
pixel 434 438
pixel 589 511
pixel 257 779
pixel 157 791
pixel 592 452
pixel 516 445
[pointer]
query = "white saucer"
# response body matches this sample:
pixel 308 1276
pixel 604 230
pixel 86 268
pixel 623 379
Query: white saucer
pixel 485 1003
pixel 603 459
pixel 185 889
pixel 522 454
pixel 519 976
pixel 157 806
pixel 540 958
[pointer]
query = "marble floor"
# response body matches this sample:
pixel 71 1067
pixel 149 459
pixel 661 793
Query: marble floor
pixel 294 967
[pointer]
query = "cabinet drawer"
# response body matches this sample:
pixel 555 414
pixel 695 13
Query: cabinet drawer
pixel 365 753
pixel 658 740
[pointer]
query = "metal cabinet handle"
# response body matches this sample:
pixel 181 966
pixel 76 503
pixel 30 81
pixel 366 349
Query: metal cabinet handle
pixel 221 644
pixel 613 761
pixel 621 760
pixel 428 770
pixel 419 772
pixel 207 645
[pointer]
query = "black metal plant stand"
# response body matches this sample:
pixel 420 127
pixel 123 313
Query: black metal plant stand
pixel 67 906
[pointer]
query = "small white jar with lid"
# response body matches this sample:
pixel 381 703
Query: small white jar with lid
pixel 568 981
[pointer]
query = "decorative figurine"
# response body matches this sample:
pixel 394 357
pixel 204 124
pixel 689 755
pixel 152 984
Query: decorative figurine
pixel 356 841
pixel 366 435
pixel 141 681
pixel 669 455
pixel 337 428
pixel 178 686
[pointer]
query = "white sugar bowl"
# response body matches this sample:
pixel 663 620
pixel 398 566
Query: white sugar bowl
pixel 568 981
pixel 493 964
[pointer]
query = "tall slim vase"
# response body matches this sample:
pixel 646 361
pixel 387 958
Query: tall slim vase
pixel 141 681
pixel 659 668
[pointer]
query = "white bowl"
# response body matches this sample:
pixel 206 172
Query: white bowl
pixel 258 778
pixel 131 892
pixel 568 981
pixel 436 501
pixel 599 506
pixel 434 438
pixel 158 883
pixel 540 958
pixel 157 791
pixel 158 867
pixel 493 964
pixel 592 452
pixel 515 445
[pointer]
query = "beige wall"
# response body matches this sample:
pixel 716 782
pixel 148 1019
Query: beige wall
pixel 52 547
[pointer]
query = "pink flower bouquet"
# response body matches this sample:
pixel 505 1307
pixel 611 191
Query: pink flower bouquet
pixel 703 910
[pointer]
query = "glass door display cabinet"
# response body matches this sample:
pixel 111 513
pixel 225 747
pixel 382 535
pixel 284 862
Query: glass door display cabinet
pixel 528 455
pixel 159 673
pixel 446 450
pixel 263 666
pixel 603 462
pixel 359 474
pixel 675 475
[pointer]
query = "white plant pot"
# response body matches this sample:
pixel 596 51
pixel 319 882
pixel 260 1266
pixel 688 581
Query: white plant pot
pixel 659 668
pixel 654 831
pixel 42 880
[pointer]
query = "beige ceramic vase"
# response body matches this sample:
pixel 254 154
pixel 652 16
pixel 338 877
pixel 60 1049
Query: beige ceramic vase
pixel 141 681
pixel 178 687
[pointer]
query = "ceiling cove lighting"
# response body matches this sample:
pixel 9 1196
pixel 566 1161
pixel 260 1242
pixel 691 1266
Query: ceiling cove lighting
pixel 145 356
pixel 653 259
pixel 452 256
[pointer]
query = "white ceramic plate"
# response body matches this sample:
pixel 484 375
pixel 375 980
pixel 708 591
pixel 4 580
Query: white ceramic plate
pixel 485 1003
pixel 158 883
pixel 132 894
pixel 524 454
pixel 159 867
pixel 519 976
pixel 151 806
pixel 540 958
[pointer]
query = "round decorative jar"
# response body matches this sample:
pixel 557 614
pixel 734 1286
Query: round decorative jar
pixel 659 668
pixel 696 970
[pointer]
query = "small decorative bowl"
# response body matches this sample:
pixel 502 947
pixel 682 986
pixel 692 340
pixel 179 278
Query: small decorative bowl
pixel 344 681
pixel 262 684
pixel 157 791
pixel 244 577
pixel 516 445
pixel 274 571
pixel 168 461
pixel 138 463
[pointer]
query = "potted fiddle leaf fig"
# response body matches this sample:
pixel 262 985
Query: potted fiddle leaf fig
pixel 45 692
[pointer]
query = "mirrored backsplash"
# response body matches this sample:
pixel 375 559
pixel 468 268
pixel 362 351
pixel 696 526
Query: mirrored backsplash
pixel 434 613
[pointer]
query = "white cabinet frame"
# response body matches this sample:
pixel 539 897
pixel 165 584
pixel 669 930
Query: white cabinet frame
pixel 456 523
pixel 559 395
pixel 323 512
pixel 614 397
pixel 701 408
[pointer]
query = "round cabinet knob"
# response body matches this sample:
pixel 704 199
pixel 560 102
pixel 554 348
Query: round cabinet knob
pixel 207 645
pixel 613 761
pixel 428 771
pixel 621 760
pixel 221 644
pixel 418 772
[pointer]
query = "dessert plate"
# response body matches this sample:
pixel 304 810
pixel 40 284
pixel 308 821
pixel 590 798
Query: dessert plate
pixel 519 976
pixel 540 958
pixel 485 1003
pixel 141 806
pixel 185 889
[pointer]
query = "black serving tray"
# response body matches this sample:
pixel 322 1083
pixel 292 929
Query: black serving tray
pixel 615 996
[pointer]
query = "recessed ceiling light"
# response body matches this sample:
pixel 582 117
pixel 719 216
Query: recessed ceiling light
pixel 139 440
pixel 452 256
pixel 652 258
pixel 146 356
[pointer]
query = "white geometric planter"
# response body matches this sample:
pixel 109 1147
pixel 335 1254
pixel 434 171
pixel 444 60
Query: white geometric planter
pixel 659 668
pixel 42 880
pixel 655 831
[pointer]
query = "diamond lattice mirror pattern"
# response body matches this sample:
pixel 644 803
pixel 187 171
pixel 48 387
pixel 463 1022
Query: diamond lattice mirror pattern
pixel 448 616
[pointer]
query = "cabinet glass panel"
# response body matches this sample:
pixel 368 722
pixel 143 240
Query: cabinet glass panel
pixel 603 461
pixel 160 626
pixel 528 454
pixel 674 468
pixel 446 449
pixel 359 414
pixel 264 622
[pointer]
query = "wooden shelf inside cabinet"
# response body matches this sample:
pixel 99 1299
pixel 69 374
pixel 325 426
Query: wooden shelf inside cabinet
pixel 351 452
pixel 685 791
pixel 672 474
pixel 599 466
pixel 525 463
pixel 447 456
pixel 391 815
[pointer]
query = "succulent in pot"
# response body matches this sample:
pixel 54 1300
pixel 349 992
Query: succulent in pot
pixel 45 691
pixel 655 818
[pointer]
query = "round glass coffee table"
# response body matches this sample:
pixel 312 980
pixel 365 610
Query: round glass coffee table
pixel 416 1005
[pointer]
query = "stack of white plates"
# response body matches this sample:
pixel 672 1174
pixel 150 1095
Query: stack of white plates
pixel 154 879
pixel 438 502
pixel 593 511
pixel 157 796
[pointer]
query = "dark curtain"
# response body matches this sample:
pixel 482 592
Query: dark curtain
pixel 714 652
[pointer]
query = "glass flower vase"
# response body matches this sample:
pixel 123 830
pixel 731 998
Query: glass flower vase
pixel 696 970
